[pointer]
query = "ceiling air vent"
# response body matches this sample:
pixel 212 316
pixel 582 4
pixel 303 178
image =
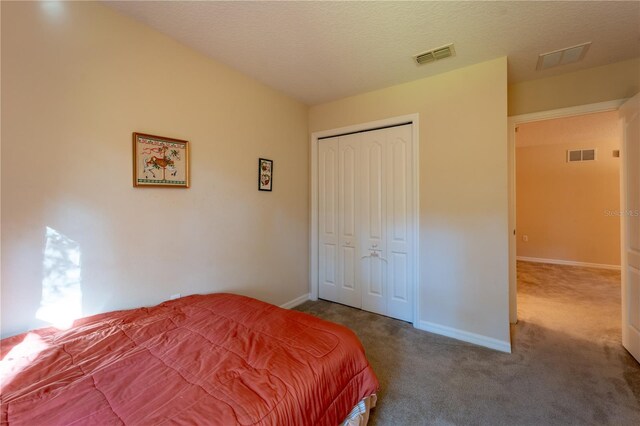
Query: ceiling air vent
pixel 564 56
pixel 435 54
pixel 581 155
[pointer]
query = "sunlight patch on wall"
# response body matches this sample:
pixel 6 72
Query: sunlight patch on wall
pixel 61 301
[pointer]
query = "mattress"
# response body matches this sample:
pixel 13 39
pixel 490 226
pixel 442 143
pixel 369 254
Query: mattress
pixel 215 359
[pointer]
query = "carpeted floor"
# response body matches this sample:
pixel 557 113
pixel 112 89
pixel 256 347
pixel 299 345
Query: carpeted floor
pixel 567 367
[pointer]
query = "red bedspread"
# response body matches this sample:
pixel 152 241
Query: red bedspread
pixel 208 360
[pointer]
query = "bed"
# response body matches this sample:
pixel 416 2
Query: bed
pixel 216 359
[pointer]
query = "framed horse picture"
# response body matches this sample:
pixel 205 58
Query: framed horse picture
pixel 160 161
pixel 265 174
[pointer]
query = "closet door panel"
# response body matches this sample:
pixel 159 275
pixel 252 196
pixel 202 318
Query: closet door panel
pixel 398 276
pixel 328 219
pixel 372 221
pixel 399 235
pixel 349 291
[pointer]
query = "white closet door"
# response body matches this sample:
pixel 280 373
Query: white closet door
pixel 328 219
pixel 373 226
pixel 365 221
pixel 399 222
pixel 348 211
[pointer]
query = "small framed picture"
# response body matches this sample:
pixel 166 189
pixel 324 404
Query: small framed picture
pixel 160 161
pixel 265 174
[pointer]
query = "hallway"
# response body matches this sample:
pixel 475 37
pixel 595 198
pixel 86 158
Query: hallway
pixel 581 302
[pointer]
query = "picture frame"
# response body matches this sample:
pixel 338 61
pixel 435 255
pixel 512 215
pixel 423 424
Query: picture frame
pixel 160 161
pixel 265 174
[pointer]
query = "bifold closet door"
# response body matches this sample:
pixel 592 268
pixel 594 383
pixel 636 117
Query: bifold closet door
pixel 349 291
pixel 328 219
pixel 365 227
pixel 338 220
pixel 372 221
pixel 386 224
pixel 399 222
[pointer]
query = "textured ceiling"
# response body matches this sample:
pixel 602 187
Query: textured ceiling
pixel 321 51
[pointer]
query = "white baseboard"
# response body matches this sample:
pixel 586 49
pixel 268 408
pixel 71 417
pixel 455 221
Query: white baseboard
pixel 568 262
pixel 465 336
pixel 295 302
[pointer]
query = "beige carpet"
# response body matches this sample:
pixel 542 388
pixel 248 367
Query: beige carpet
pixel 567 367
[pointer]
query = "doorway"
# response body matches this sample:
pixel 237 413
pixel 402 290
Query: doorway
pixel 515 122
pixel 567 238
pixel 568 225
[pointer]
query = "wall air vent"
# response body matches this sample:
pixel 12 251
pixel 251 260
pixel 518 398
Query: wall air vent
pixel 581 155
pixel 568 55
pixel 435 54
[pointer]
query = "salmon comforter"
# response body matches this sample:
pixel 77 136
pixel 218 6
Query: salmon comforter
pixel 216 359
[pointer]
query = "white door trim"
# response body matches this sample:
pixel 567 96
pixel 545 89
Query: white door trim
pixel 313 249
pixel 513 122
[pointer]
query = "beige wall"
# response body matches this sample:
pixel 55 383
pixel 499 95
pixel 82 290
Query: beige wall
pixel 609 82
pixel 565 209
pixel 463 189
pixel 77 80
